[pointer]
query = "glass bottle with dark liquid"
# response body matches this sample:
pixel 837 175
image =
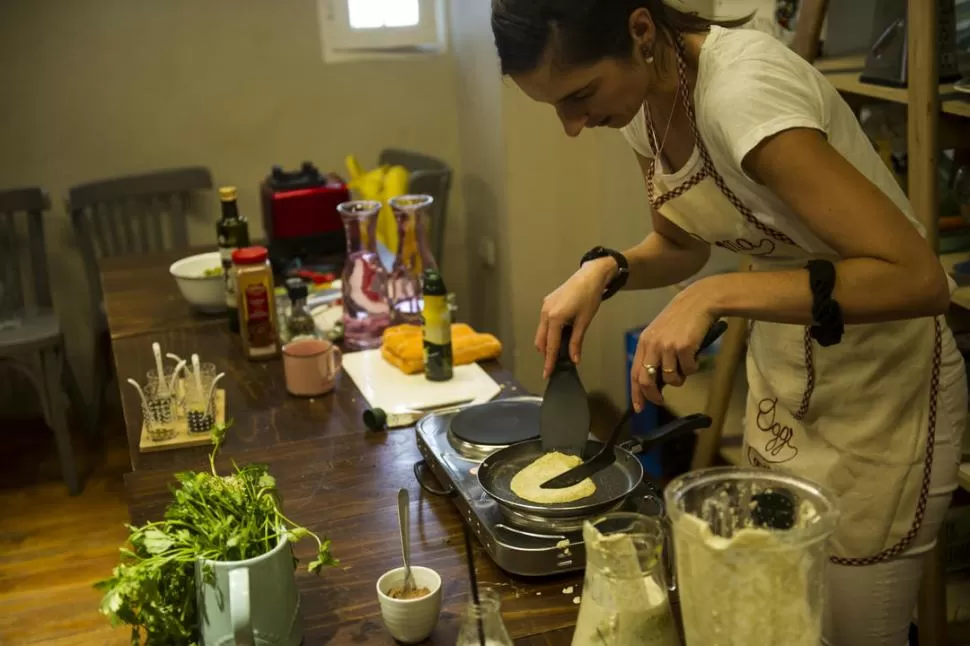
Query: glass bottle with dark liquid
pixel 438 355
pixel 232 232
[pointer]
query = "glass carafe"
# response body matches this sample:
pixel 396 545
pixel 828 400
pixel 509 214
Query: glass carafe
pixel 482 623
pixel 624 591
pixel 750 551
pixel 411 212
pixel 364 280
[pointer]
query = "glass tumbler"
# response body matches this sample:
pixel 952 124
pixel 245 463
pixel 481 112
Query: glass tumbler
pixel 198 398
pixel 159 413
pixel 483 622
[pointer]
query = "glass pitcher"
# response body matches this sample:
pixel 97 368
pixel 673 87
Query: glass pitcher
pixel 411 212
pixel 483 622
pixel 750 553
pixel 624 591
pixel 364 279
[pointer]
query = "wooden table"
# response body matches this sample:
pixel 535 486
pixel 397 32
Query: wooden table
pixel 334 476
pixel 141 297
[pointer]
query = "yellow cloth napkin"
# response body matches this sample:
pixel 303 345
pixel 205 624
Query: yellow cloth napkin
pixel 404 346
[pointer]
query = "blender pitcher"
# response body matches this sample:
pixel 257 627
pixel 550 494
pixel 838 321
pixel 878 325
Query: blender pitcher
pixel 624 590
pixel 749 547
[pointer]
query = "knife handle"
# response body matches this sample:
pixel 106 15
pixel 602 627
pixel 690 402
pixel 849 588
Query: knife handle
pixel 713 334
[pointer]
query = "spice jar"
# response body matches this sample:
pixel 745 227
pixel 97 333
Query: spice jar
pixel 257 310
pixel 299 323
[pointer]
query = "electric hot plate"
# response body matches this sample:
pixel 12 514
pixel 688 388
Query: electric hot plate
pixel 452 446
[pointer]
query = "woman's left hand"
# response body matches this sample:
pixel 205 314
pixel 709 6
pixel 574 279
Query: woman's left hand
pixel 669 345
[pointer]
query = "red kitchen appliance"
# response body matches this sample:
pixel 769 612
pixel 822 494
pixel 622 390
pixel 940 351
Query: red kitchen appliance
pixel 301 220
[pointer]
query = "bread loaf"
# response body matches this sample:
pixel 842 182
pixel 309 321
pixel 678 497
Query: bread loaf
pixel 403 346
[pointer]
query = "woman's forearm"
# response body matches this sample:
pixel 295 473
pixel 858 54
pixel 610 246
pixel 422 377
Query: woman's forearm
pixel 657 262
pixel 868 291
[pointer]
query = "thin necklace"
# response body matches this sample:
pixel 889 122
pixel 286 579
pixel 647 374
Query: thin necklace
pixel 670 119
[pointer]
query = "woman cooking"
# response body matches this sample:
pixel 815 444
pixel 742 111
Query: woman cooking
pixel 855 381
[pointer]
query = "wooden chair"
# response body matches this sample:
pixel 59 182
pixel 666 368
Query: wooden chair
pixel 30 332
pixel 429 176
pixel 128 215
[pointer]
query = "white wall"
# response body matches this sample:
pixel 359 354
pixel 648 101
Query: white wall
pixel 104 88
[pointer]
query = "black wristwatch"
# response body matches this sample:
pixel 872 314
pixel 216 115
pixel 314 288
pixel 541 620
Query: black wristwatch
pixel 623 268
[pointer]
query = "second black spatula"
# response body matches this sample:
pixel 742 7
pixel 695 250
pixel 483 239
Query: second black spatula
pixel 607 455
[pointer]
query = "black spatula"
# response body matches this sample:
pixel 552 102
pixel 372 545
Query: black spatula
pixel 564 414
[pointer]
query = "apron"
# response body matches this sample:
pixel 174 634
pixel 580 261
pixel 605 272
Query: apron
pixel 858 418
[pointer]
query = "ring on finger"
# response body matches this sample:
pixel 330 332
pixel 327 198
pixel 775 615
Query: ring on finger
pixel 669 371
pixel 650 368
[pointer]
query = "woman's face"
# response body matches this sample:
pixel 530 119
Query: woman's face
pixel 607 93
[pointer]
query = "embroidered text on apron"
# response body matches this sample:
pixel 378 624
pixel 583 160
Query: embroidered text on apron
pixel 858 418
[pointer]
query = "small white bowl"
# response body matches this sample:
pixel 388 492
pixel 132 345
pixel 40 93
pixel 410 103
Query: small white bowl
pixel 205 293
pixel 410 620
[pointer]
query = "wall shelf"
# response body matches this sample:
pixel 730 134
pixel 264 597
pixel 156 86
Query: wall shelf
pixel 843 73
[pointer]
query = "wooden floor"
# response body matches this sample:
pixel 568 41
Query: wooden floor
pixel 53 547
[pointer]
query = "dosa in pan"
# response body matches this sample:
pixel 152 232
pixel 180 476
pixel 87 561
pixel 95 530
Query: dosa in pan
pixel 526 483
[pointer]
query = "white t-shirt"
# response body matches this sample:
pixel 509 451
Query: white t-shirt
pixel 749 87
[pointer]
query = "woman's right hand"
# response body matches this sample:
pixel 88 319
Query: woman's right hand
pixel 576 301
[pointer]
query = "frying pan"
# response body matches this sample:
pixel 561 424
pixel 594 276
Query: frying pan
pixel 613 484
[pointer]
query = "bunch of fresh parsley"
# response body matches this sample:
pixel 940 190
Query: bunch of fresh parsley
pixel 213 517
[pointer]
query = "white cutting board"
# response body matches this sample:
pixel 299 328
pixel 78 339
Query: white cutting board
pixel 384 386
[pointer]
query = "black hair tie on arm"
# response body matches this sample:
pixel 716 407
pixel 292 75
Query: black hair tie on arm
pixel 827 324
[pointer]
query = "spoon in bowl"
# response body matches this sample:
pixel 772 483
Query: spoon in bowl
pixel 403 514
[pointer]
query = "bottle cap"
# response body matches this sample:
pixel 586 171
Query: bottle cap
pixel 432 283
pixel 296 288
pixel 375 419
pixel 250 255
pixel 227 193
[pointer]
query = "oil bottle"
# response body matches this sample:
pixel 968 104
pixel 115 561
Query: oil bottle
pixel 436 316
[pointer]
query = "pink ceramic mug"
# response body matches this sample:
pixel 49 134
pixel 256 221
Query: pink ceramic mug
pixel 310 367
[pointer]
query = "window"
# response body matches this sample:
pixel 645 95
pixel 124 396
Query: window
pixel 367 29
pixel 374 14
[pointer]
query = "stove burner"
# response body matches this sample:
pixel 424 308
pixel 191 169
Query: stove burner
pixel 547 525
pixel 478 431
pixel 497 423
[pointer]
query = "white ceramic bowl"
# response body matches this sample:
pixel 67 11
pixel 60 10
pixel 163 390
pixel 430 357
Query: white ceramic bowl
pixel 410 620
pixel 205 293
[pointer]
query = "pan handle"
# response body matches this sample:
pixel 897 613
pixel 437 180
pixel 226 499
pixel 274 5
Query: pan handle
pixel 670 430
pixel 421 466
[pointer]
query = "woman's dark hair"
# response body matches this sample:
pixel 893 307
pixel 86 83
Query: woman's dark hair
pixel 585 30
